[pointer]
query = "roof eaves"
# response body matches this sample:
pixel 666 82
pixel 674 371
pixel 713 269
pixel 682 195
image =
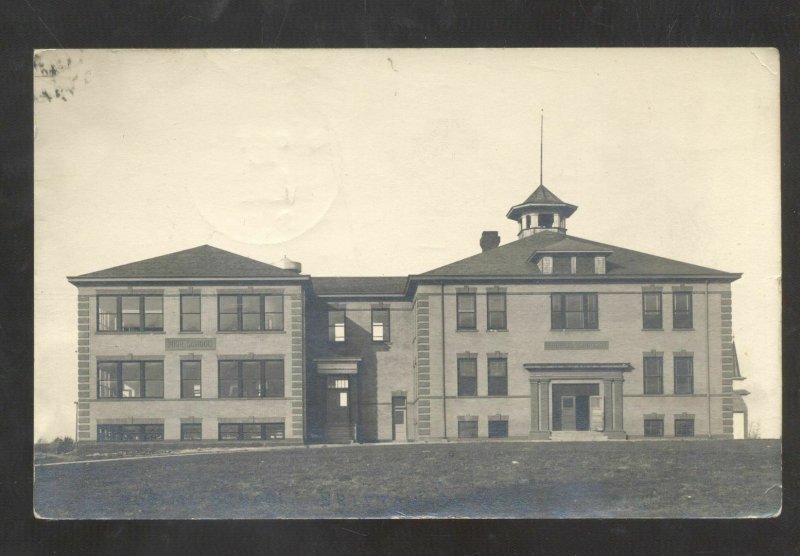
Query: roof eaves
pixel 152 279
pixel 724 277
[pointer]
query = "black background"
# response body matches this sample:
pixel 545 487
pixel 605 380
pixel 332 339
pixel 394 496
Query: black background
pixel 29 24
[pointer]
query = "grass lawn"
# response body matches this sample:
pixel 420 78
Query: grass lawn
pixel 498 479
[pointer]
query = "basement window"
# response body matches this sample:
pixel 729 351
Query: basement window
pixel 191 431
pixel 468 429
pixel 684 427
pixel 130 433
pixel 654 427
pixel 251 431
pixel 498 428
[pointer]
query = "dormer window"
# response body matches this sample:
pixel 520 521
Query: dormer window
pixel 600 265
pixel 545 220
pixel 572 263
pixel 562 264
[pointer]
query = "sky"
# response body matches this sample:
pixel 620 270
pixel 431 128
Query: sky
pixel 392 162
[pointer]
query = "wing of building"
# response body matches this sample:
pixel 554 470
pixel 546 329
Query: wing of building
pixel 549 336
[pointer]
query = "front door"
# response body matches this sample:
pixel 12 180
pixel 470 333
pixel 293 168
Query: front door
pixel 581 413
pixel 337 411
pixel 568 413
pixel 399 418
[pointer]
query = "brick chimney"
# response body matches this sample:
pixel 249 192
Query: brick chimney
pixel 489 240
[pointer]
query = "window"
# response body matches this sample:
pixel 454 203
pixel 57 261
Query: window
pixel 573 311
pixel 273 312
pixel 584 264
pixel 467 377
pixel 684 375
pixel 251 379
pixel 191 431
pixel 653 375
pixel 190 313
pixel 336 325
pixel 380 325
pixel 130 433
pixel 684 426
pixel 251 431
pixel 654 427
pixel 562 264
pixel 600 265
pixel 468 429
pixel 651 310
pixel 496 311
pixel 190 379
pixel 130 379
pixel 498 428
pixel 498 376
pixel 465 307
pixel 545 220
pixel 130 313
pixel 250 313
pixel 681 309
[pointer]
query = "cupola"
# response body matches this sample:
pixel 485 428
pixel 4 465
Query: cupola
pixel 541 212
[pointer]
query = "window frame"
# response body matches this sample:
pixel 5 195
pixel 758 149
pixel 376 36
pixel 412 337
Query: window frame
pixel 492 386
pixel 473 425
pixel 464 381
pixel 386 325
pixel 263 381
pixel 198 426
pixel 684 421
pixel 119 428
pixel 120 381
pixel 459 311
pixel 142 311
pixel 199 312
pixel 688 313
pixel 559 316
pixel 650 421
pixel 264 434
pixel 332 338
pixel 657 312
pixel 184 380
pixel 490 311
pixel 660 360
pixel 495 422
pixel 689 375
pixel 240 312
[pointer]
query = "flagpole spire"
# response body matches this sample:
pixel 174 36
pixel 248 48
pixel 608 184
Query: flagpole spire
pixel 541 149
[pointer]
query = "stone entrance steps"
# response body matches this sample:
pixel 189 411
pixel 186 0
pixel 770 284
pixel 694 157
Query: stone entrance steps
pixel 578 436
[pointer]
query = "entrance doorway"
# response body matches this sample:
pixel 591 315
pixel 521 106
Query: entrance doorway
pixel 338 422
pixel 577 407
pixel 399 419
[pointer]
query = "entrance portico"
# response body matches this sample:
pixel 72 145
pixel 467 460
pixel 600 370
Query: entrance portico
pixel 576 397
pixel 339 394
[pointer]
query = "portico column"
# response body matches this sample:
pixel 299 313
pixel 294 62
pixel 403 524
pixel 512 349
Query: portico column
pixel 608 405
pixel 617 384
pixel 534 406
pixel 613 408
pixel 540 419
pixel 544 397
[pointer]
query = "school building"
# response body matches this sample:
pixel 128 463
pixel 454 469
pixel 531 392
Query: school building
pixel 547 337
